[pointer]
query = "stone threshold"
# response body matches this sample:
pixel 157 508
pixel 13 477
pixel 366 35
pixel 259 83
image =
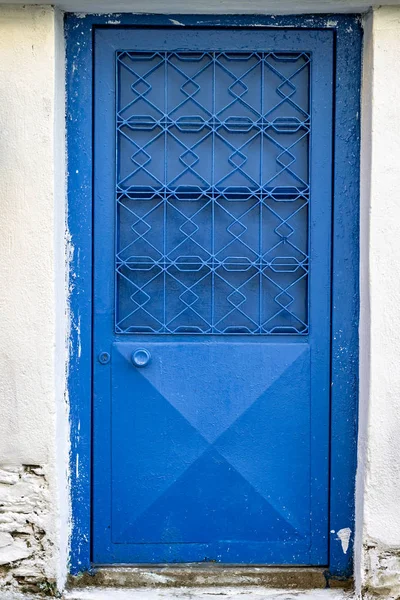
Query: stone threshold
pixel 200 575
pixel 210 593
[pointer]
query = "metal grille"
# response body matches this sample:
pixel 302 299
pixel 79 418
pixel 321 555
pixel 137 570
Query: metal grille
pixel 212 192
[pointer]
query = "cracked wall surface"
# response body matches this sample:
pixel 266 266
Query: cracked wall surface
pixel 381 571
pixel 26 550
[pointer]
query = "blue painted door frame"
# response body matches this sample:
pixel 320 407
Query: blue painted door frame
pixel 344 370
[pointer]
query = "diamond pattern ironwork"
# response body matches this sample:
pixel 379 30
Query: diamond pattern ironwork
pixel 212 192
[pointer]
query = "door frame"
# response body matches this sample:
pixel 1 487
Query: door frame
pixel 345 261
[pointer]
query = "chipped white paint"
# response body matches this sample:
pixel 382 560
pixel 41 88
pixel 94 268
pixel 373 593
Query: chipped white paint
pixel 33 425
pixel 344 536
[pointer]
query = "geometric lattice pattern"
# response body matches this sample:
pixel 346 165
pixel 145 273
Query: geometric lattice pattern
pixel 212 192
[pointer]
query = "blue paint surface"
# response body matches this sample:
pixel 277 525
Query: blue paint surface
pixel 212 192
pixel 347 34
pixel 79 134
pixel 216 450
pixel 345 293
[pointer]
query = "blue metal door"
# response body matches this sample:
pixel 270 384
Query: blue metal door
pixel 212 243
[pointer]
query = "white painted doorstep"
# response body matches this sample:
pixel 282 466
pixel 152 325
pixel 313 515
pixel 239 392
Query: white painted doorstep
pixel 216 593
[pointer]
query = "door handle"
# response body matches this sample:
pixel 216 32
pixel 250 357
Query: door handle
pixel 140 357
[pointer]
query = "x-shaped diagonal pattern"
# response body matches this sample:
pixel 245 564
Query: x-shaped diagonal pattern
pixel 212 192
pixel 192 460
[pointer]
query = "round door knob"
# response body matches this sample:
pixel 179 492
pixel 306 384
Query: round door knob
pixel 140 357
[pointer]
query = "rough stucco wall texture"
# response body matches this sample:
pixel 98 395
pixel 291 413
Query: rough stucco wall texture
pixel 379 458
pixel 33 421
pixel 29 338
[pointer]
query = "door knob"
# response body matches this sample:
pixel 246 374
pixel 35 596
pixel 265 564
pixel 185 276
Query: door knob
pixel 140 357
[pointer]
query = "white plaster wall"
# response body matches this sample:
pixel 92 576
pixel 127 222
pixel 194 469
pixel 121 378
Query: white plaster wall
pixel 378 478
pixel 33 424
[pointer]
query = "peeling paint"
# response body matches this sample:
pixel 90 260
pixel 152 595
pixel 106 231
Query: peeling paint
pixel 78 333
pixel 344 536
pixel 80 192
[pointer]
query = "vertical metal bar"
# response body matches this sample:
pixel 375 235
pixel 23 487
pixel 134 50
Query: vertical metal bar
pixel 116 226
pixel 213 124
pixel 261 199
pixel 164 259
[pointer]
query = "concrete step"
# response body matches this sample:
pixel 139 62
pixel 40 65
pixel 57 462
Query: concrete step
pixel 210 593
